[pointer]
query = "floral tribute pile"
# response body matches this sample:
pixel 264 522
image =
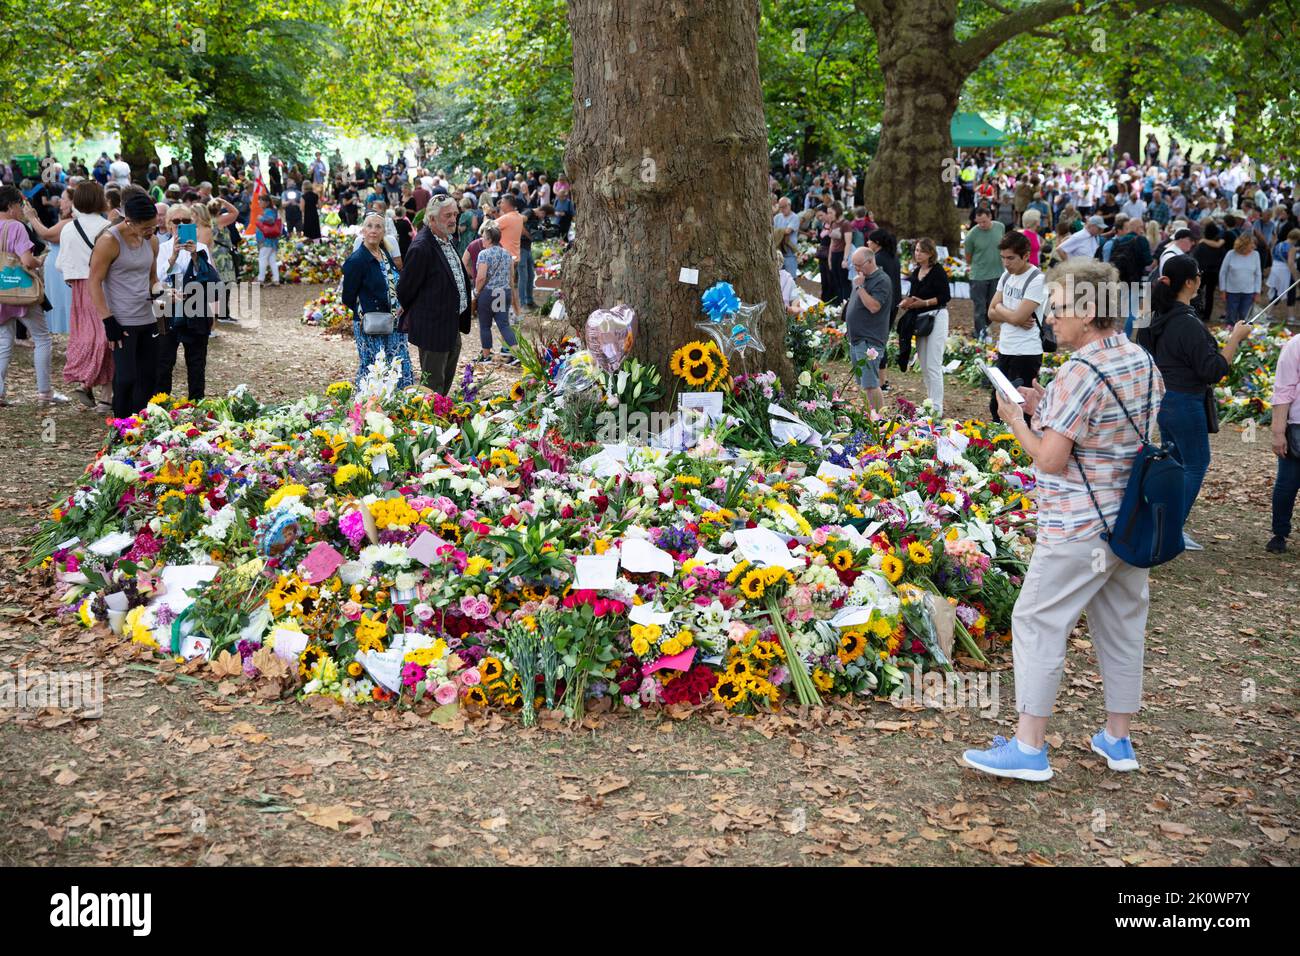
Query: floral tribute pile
pixel 328 312
pixel 1246 394
pixel 302 260
pixel 375 544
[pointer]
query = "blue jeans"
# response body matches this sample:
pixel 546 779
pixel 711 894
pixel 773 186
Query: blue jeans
pixel 525 277
pixel 981 293
pixel 487 315
pixel 790 264
pixel 1284 495
pixel 1182 421
pixel 1238 307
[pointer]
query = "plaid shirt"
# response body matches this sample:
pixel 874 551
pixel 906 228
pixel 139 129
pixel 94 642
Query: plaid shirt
pixel 1080 407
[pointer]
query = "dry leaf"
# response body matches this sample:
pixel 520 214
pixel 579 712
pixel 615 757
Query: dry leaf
pixel 331 818
pixel 66 777
pixel 227 664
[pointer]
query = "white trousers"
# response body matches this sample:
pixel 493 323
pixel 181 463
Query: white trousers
pixel 1064 580
pixel 268 260
pixel 929 352
pixel 40 333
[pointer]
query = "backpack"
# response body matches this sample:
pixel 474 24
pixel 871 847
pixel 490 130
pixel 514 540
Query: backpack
pixel 272 229
pixel 1148 530
pixel 1124 258
pixel 202 297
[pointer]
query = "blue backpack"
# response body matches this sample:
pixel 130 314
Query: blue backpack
pixel 1149 527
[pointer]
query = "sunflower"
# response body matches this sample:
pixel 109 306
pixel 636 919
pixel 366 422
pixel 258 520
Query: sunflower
pixel 700 374
pixel 852 645
pixel 311 655
pixel 740 667
pixel 734 575
pixel 450 532
pixel 763 650
pixel 475 696
pixel 822 680
pixel 752 585
pixel 892 568
pixel 490 669
pixel 729 692
pixel 532 593
pixel 918 553
pixel 517 391
pixel 843 560
pixel 169 495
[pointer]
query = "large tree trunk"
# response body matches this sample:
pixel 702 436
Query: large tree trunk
pixel 668 160
pixel 1128 109
pixel 905 188
pixel 137 151
pixel 197 134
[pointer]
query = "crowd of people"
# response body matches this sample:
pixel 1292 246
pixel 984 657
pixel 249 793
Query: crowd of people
pixel 1178 238
pixel 84 230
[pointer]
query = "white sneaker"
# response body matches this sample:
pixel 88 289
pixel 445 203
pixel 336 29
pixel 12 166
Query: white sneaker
pixel 1190 545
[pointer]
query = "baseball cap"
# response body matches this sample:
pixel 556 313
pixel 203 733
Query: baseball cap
pixel 1097 221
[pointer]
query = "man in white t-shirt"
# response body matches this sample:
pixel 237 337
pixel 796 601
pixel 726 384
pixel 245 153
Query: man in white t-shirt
pixel 1015 312
pixel 119 172
pixel 1135 208
pixel 788 222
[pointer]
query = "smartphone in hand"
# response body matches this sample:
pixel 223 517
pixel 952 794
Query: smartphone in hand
pixel 187 232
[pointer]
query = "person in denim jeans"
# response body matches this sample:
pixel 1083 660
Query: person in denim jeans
pixel 1240 278
pixel 1189 359
pixel 1286 415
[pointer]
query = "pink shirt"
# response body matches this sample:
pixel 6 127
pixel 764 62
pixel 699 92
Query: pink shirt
pixel 14 239
pixel 1286 382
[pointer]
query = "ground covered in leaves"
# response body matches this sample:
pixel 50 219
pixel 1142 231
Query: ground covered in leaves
pixel 184 768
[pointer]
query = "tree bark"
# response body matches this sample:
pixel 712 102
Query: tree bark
pixel 137 151
pixel 197 134
pixel 1128 109
pixel 905 189
pixel 668 161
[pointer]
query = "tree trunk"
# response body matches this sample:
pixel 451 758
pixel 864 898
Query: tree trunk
pixel 668 161
pixel 809 153
pixel 197 134
pixel 1128 108
pixel 905 188
pixel 137 151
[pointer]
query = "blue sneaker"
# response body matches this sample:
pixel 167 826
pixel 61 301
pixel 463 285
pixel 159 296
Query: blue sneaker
pixel 1119 755
pixel 1006 759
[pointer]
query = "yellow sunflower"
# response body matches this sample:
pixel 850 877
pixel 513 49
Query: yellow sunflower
pixel 853 643
pixel 918 553
pixel 843 560
pixel 729 692
pixel 490 669
pixel 475 696
pixel 752 585
pixel 892 568
pixel 822 680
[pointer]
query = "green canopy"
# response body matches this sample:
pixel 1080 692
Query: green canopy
pixel 969 129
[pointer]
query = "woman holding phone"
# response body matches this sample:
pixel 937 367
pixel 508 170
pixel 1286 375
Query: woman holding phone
pixel 1192 363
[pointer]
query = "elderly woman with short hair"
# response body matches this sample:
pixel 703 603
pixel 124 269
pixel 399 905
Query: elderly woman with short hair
pixel 495 293
pixel 1083 446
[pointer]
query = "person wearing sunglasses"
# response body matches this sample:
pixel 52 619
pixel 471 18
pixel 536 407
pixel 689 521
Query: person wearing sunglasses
pixel 174 256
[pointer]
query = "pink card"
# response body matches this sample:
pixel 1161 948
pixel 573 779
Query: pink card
pixel 678 662
pixel 425 548
pixel 320 563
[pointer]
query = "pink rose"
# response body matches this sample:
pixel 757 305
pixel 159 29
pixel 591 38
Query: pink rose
pixel 445 694
pixel 352 611
pixel 470 677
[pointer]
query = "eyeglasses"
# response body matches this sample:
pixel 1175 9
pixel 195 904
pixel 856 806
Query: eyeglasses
pixel 181 222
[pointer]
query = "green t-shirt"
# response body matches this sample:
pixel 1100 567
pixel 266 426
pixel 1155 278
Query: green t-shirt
pixel 982 247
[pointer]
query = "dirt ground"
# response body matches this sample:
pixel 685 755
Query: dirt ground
pixel 180 769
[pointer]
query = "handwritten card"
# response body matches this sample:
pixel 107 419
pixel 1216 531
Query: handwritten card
pixel 595 572
pixel 689 276
pixel 639 555
pixel 764 547
pixel 321 562
pixel 425 548
pixel 710 403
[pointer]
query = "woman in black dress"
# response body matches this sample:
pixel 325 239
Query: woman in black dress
pixel 311 212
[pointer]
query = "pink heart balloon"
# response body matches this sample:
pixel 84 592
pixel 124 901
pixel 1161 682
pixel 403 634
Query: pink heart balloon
pixel 610 333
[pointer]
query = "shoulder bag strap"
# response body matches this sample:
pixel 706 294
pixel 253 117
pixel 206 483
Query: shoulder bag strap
pixel 84 238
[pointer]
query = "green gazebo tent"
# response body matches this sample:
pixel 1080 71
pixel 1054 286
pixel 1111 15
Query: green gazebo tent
pixel 969 130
